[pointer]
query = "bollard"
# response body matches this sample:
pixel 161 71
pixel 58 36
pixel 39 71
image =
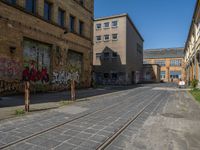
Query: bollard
pixel 27 95
pixel 73 94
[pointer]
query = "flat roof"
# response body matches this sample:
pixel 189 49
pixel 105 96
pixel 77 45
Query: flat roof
pixel 118 16
pixel 164 53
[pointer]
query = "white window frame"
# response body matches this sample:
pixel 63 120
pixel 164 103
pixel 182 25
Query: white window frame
pixel 117 24
pixel 97 39
pixel 105 26
pixel 105 38
pixel 116 38
pixel 100 27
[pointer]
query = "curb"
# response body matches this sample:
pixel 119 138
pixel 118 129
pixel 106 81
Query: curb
pixel 12 116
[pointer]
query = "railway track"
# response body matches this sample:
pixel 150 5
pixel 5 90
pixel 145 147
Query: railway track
pixel 112 138
pixel 67 122
pixel 109 140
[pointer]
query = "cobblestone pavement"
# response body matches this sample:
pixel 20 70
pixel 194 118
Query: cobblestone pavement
pixel 86 125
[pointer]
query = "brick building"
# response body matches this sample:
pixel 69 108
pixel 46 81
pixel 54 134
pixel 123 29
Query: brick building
pixel 171 61
pixel 118 50
pixel 192 47
pixel 48 35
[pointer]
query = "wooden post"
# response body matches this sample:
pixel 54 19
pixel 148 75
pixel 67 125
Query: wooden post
pixel 27 95
pixel 73 94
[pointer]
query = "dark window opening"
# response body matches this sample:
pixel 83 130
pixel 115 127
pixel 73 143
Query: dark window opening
pixel 82 2
pixel 81 26
pixel 72 23
pixel 61 17
pixel 47 10
pixel 106 75
pixel 31 6
pixel 114 76
pixel 11 2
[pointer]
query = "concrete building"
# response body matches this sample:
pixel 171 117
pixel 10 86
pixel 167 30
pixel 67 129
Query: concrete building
pixel 118 50
pixel 171 61
pixel 192 47
pixel 48 36
pixel 150 73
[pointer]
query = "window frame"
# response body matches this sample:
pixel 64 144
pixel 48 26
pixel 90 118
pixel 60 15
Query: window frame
pixel 116 25
pixel 100 38
pixel 12 2
pixel 81 26
pixel 97 27
pixel 61 13
pixel 116 38
pixel 105 26
pixel 74 24
pixel 49 13
pixel 33 4
pixel 105 38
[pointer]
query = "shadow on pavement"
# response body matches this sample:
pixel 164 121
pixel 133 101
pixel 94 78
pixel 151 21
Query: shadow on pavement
pixel 18 100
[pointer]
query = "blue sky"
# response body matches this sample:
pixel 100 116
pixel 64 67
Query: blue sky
pixel 162 23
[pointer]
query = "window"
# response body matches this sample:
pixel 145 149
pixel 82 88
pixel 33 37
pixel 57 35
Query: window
pixel 72 23
pixel 81 26
pixel 114 54
pixel 31 6
pixel 47 10
pixel 81 2
pixel 98 26
pixel 114 76
pixel 106 25
pixel 160 62
pixel 175 74
pixel 177 62
pixel 114 24
pixel 162 74
pixel 61 17
pixel 11 1
pixel 145 62
pixel 106 37
pixel 106 75
pixel 98 38
pixel 114 37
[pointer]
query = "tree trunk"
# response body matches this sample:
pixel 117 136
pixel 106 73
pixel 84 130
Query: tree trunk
pixel 27 95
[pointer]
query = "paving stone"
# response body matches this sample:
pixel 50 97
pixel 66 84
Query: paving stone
pixel 84 135
pixel 76 141
pixel 21 146
pixel 71 132
pixel 9 139
pixel 65 146
pixel 98 138
pixel 90 144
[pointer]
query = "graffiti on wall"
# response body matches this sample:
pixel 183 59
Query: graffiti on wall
pixel 63 77
pixel 75 59
pixel 9 86
pixel 9 68
pixel 36 61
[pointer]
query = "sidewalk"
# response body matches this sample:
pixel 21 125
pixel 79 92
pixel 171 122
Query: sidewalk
pixel 45 101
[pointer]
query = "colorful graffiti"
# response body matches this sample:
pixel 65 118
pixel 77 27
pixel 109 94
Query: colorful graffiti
pixel 37 54
pixel 9 68
pixel 34 75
